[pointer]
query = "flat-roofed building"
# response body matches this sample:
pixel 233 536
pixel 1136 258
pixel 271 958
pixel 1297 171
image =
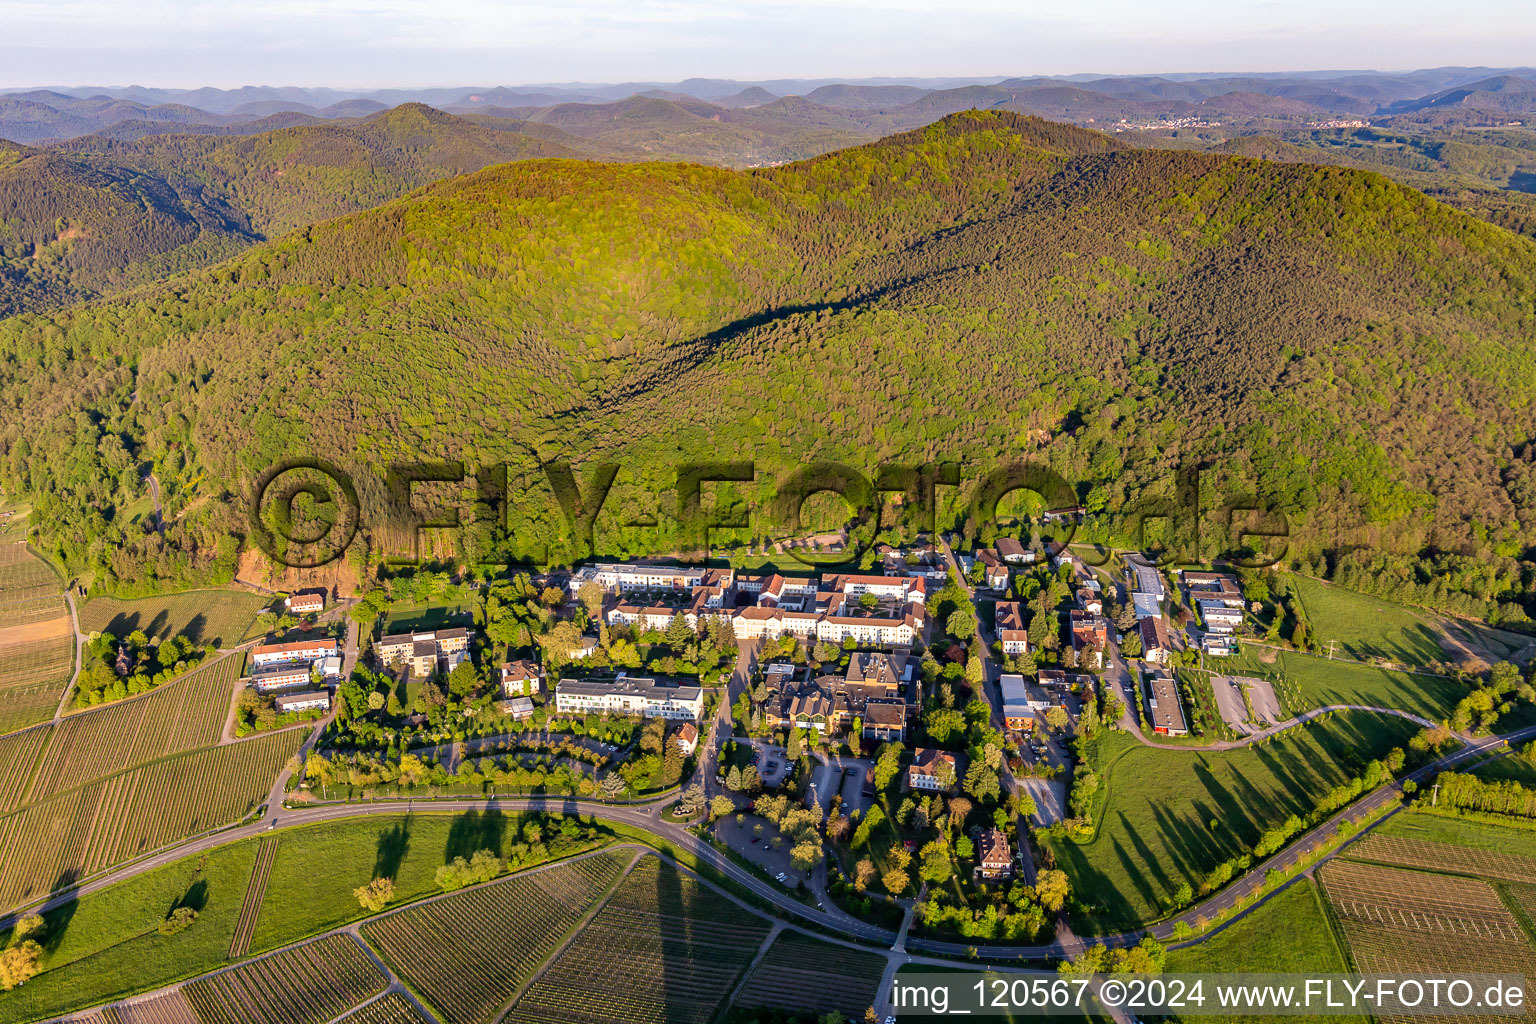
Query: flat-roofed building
pixel 1164 710
pixel 1219 617
pixel 629 695
pixel 274 680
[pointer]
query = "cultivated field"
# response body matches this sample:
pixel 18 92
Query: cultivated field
pixel 1456 908
pixel 82 831
pixel 1171 815
pixel 254 894
pixel 393 1008
pixel 664 949
pixel 168 1008
pixel 18 758
pixel 206 616
pixel 183 714
pixel 802 974
pixel 37 642
pixel 468 954
pixel 308 984
pixel 1408 852
pixel 1409 922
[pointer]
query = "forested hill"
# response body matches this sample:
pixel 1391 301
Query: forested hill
pixel 987 287
pixel 72 228
pixel 99 214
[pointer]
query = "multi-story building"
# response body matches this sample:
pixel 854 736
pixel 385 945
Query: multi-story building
pixel 619 577
pixel 931 770
pixel 293 652
pixel 424 653
pixel 1010 627
pixel 521 678
pixel 1163 707
pixel 628 695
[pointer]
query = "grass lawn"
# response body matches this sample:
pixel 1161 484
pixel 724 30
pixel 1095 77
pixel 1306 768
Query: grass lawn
pixel 1366 626
pixel 318 866
pixel 1171 815
pixel 410 616
pixel 1508 769
pixel 1288 933
pixel 1318 681
pixel 106 945
pixel 221 616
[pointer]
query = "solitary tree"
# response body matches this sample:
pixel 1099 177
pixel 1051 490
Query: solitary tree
pixel 375 896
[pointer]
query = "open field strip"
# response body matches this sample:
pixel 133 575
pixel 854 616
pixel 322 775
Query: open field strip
pixel 79 832
pixel 308 984
pixel 254 894
pixel 468 953
pixel 183 714
pixel 663 949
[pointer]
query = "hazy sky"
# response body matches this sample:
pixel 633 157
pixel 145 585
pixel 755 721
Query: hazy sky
pixel 366 43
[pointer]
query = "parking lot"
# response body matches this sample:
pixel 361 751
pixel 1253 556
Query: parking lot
pixel 1229 700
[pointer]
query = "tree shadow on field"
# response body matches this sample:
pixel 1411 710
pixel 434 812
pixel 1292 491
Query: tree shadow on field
pixel 195 627
pixel 390 850
pixel 56 922
pixel 677 944
pixel 473 831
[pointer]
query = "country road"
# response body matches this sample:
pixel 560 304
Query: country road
pixel 647 817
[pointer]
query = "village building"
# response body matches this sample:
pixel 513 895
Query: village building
pixel 688 738
pixel 1164 710
pixel 1009 620
pixel 311 700
pixel 521 678
pixel 931 770
pixel 1154 640
pixel 994 854
pixel 305 602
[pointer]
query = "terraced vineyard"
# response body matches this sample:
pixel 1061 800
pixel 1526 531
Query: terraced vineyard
pixel 394 1008
pixel 468 953
pixel 307 984
pixel 168 1008
pixel 1398 921
pixel 85 830
pixel 802 974
pixel 1408 852
pixel 664 949
pixel 255 892
pixel 184 714
pixel 18 757
pixel 37 639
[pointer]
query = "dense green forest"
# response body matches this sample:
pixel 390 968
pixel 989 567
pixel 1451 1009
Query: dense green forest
pixel 989 287
pixel 99 214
